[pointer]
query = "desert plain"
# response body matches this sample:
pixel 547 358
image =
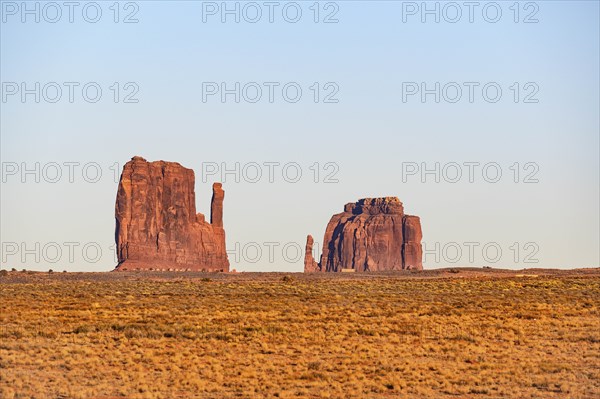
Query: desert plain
pixel 448 333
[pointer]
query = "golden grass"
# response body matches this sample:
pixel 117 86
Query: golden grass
pixel 301 338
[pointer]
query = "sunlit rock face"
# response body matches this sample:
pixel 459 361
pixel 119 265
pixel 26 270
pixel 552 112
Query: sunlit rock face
pixel 157 226
pixel 371 234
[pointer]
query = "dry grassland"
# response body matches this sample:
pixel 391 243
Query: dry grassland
pixel 451 335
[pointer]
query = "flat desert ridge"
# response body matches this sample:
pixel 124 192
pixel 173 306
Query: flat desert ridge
pixel 447 333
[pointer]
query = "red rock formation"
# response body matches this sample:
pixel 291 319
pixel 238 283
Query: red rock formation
pixel 370 235
pixel 157 224
pixel 216 205
pixel 309 262
pixel 412 252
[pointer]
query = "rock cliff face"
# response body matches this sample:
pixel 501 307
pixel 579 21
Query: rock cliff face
pixel 157 224
pixel 370 235
pixel 412 252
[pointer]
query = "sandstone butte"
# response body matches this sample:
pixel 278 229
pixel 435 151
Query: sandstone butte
pixel 157 226
pixel 372 234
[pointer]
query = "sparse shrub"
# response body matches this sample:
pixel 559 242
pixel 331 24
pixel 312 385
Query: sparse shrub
pixel 13 270
pixel 314 365
pixel 50 271
pixel 82 329
pixel 287 279
pixel 118 327
pixel 365 331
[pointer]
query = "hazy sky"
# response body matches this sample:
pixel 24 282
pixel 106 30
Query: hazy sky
pixel 360 121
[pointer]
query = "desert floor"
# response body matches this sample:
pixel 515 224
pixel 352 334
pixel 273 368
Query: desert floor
pixel 454 333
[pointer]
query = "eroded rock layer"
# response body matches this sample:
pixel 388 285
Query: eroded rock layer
pixel 157 224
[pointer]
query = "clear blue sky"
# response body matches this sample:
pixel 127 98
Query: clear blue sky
pixel 371 134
